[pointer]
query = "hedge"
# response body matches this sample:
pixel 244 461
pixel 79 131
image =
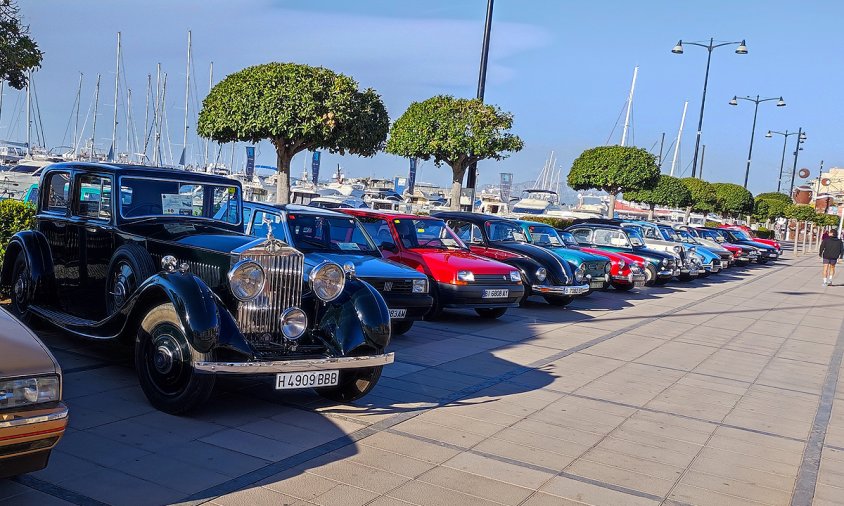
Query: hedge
pixel 558 223
pixel 14 217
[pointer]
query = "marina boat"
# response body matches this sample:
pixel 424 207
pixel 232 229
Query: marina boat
pixel 17 180
pixel 539 202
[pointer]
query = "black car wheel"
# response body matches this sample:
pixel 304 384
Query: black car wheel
pixel 491 312
pixel 353 384
pixel 164 362
pixel 650 275
pixel 130 266
pixel 400 328
pixel 21 290
pixel 559 300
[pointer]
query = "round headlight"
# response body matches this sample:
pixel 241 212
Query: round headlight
pixel 664 261
pixel 327 281
pixel 579 273
pixel 606 267
pixel 621 264
pixel 294 321
pixel 541 274
pixel 246 280
pixel 677 249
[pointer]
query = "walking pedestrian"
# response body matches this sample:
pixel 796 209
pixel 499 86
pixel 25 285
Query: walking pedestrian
pixel 830 251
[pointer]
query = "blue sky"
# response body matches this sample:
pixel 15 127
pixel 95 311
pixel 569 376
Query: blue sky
pixel 562 68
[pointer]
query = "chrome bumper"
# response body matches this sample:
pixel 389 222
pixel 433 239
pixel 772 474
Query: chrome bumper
pixel 630 278
pixel 667 273
pixel 560 290
pixel 321 364
pixel 60 414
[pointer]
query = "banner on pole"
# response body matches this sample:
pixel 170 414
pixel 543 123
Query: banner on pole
pixel 250 161
pixel 315 167
pixel 506 186
pixel 411 178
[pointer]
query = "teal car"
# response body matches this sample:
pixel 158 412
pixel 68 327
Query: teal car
pixel 596 268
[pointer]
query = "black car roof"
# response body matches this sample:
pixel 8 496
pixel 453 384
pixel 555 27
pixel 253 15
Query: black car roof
pixel 145 171
pixel 596 225
pixel 295 208
pixel 467 215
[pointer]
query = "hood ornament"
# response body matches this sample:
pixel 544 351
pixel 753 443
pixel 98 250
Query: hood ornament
pixel 272 245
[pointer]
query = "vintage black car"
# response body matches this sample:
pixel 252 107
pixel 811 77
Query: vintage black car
pixel 324 235
pixel 543 272
pixel 158 257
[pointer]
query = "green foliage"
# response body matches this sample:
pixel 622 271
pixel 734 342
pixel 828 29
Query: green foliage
pixel 669 191
pixel 453 131
pixel 297 107
pixel 732 199
pixel 712 224
pixel 800 212
pixel 702 193
pixel 614 169
pixel 558 223
pixel 764 233
pixel 831 220
pixel 760 209
pixel 18 52
pixel 14 217
pixel 775 196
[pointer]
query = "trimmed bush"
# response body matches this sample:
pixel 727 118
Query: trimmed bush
pixel 14 217
pixel 559 223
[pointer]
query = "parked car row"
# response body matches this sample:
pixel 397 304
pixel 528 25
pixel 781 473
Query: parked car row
pixel 202 284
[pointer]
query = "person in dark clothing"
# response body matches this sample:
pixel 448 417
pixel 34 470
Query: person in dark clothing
pixel 830 251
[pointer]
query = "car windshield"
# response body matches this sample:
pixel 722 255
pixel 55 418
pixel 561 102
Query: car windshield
pixel 568 239
pixel 545 234
pixel 714 235
pixel 635 238
pixel 740 235
pixel 426 234
pixel 142 197
pixel 311 233
pixel 685 236
pixel 502 231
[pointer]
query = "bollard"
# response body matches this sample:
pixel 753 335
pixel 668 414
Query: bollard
pixel 796 236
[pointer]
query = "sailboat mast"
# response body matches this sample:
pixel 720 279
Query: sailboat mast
pixel 128 124
pixel 156 120
pixel 113 149
pixel 679 136
pixel 187 96
pixel 164 117
pixel 76 133
pixel 94 125
pixel 629 107
pixel 28 113
pixel 210 85
pixel 2 82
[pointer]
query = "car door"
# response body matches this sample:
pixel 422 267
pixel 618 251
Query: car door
pixel 90 239
pixel 53 217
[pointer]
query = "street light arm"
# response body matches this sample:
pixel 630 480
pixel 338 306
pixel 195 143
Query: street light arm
pixel 757 101
pixel 710 47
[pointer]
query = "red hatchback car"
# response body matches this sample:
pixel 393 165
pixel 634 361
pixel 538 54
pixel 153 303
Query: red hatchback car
pixel 459 278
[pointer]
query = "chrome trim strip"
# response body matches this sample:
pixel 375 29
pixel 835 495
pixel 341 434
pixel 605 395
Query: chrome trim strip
pixel 280 366
pixel 17 422
pixel 561 290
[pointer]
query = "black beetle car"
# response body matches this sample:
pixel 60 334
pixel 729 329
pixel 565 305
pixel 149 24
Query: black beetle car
pixel 543 272
pixel 221 302
pixel 324 235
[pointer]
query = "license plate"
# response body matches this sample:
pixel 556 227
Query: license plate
pixel 307 379
pixel 638 284
pixel 495 294
pixel 398 313
pixel 596 284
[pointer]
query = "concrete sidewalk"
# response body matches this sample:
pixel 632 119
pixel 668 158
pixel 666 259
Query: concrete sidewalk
pixel 721 391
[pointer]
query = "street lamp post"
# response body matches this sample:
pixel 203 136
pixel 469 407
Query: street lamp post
pixel 756 101
pixel 785 135
pixel 472 172
pixel 801 138
pixel 678 49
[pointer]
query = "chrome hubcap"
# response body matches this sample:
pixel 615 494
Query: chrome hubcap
pixel 163 359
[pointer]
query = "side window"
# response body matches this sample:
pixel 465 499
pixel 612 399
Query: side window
pixel 582 235
pixel 462 229
pixel 477 237
pixel 94 197
pixel 378 229
pixel 58 190
pixel 619 238
pixel 263 222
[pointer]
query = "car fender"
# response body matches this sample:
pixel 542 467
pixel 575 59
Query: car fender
pixel 36 249
pixel 357 318
pixel 527 267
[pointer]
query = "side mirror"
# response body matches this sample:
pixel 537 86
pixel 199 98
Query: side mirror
pixel 388 246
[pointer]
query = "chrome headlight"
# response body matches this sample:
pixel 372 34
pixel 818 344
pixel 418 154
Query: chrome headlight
pixel 541 274
pixel 247 280
pixel 467 276
pixel 294 321
pixel 607 268
pixel 579 273
pixel 678 249
pixel 327 280
pixel 664 261
pixel 420 286
pixel 25 391
pixel 515 276
pixel 621 264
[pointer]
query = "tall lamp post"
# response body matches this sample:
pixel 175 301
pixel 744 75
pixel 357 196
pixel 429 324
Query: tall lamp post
pixel 801 138
pixel 785 135
pixel 756 101
pixel 472 173
pixel 678 49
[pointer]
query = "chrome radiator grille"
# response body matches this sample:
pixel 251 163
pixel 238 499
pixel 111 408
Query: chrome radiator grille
pixel 283 289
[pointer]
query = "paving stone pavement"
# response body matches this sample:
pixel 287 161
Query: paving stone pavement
pixel 716 392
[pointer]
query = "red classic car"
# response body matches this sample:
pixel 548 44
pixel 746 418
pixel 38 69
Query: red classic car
pixel 747 230
pixel 626 271
pixel 459 278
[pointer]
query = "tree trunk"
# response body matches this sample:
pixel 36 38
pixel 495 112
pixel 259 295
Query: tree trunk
pixel 688 215
pixel 456 185
pixel 282 189
pixel 611 209
pixel 651 212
